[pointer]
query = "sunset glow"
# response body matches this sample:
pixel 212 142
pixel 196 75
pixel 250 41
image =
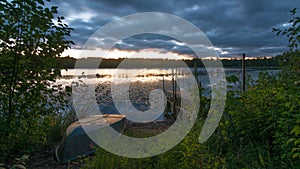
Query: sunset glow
pixel 116 54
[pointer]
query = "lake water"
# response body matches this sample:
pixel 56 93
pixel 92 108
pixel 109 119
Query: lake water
pixel 142 82
pixel 98 76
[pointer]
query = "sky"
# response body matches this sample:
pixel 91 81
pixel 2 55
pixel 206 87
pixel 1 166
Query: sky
pixel 233 26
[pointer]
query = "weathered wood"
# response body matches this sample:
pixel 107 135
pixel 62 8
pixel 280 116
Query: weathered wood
pixel 244 72
pixel 163 81
pixel 196 71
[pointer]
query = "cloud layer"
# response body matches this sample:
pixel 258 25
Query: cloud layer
pixel 233 26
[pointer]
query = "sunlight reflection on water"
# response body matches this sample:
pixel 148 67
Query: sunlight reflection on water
pixel 141 83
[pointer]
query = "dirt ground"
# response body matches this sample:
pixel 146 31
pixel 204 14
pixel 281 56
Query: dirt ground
pixel 45 160
pixel 150 128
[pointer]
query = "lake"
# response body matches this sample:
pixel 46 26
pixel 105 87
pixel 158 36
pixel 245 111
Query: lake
pixel 142 82
pixel 97 76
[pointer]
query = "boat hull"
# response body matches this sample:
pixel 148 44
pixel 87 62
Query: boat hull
pixel 76 143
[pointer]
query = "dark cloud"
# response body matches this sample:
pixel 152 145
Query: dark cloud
pixel 144 41
pixel 233 26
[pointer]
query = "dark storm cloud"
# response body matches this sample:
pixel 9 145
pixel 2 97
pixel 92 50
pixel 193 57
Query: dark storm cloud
pixel 233 26
pixel 145 40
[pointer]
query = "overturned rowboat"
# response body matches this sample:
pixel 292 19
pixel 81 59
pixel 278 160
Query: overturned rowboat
pixel 77 143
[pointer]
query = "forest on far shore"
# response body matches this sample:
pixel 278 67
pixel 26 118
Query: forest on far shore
pixel 69 63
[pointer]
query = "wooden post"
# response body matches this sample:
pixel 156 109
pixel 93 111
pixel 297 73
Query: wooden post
pixel 196 71
pixel 173 97
pixel 244 72
pixel 173 83
pixel 164 83
pixel 196 77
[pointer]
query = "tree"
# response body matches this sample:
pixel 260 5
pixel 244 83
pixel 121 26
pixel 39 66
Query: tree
pixel 29 42
pixel 291 63
pixel 291 58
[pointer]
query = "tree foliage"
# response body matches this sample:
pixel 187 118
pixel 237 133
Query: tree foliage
pixel 290 60
pixel 29 40
pixel 292 32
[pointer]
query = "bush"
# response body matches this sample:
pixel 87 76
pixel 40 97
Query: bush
pixel 29 42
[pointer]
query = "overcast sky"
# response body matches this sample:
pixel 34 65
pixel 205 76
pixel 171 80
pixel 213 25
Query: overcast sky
pixel 233 26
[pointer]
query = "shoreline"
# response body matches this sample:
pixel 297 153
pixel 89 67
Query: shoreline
pixel 44 158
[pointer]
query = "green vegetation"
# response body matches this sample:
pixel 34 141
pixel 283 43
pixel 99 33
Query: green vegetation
pixel 260 128
pixel 29 104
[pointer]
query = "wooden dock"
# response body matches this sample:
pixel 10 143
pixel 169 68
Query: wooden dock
pixel 174 95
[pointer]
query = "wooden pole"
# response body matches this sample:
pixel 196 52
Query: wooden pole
pixel 196 77
pixel 244 72
pixel 164 83
pixel 173 96
pixel 173 83
pixel 196 71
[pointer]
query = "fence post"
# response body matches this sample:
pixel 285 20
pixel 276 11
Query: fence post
pixel 244 72
pixel 196 71
pixel 163 81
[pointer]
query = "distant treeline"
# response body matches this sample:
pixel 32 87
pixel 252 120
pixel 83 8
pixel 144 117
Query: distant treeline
pixel 69 63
